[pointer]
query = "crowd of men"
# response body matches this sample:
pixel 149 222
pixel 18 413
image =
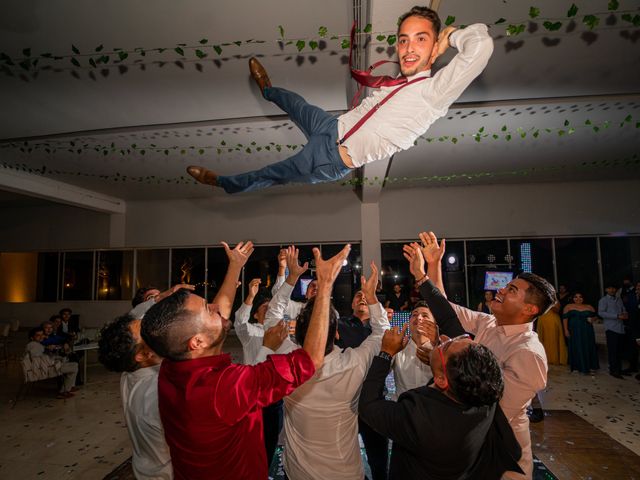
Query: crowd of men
pixel 464 378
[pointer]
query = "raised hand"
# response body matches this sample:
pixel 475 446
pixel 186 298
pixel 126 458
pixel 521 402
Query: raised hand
pixel 394 339
pixel 275 335
pixel 369 285
pixel 282 261
pixel 254 286
pixel 240 254
pixel 432 251
pixel 291 257
pixel 413 254
pixel 327 270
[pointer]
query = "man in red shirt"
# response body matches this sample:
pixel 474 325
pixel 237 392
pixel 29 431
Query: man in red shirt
pixel 211 409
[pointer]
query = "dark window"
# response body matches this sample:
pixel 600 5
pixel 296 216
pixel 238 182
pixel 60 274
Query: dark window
pixel 78 276
pixel 616 260
pixel 187 266
pixel 48 277
pixel 114 271
pixel 577 265
pixel 152 268
pixel 540 251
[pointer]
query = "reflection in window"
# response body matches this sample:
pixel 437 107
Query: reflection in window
pixel 187 266
pixel 114 275
pixel 152 268
pixel 78 276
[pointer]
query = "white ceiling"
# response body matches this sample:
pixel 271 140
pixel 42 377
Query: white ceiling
pixel 80 124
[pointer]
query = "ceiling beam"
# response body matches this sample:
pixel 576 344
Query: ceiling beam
pixel 40 187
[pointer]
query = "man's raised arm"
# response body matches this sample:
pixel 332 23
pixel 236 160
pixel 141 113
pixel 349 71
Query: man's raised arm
pixel 475 47
pixel 326 271
pixel 282 296
pixel 237 259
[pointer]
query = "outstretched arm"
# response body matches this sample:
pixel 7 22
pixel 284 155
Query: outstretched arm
pixel 282 265
pixel 326 272
pixel 279 302
pixel 442 311
pixel 237 259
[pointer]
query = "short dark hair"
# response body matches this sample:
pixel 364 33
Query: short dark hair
pixel 420 303
pixel 168 326
pixel 474 375
pixel 540 292
pixel 33 331
pixel 117 347
pixel 424 12
pixel 256 304
pixel 66 309
pixel 52 318
pixel 138 298
pixel 304 318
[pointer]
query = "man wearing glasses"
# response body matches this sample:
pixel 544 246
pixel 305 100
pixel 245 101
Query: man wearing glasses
pixel 508 332
pixel 459 408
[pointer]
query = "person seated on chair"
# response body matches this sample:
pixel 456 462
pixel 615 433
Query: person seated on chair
pixel 122 349
pixel 54 343
pixel 36 351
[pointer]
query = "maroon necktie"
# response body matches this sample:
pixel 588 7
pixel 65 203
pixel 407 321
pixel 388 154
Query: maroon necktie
pixel 364 77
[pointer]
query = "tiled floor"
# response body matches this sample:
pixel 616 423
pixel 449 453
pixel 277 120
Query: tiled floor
pixel 85 437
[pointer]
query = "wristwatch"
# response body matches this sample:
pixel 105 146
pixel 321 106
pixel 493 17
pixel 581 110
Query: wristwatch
pixel 385 356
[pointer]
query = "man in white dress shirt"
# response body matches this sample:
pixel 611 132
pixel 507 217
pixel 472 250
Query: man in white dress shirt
pixel 321 419
pixel 337 145
pixel 121 349
pixel 251 334
pixel 409 371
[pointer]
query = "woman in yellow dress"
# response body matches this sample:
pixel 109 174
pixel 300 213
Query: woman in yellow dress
pixel 551 336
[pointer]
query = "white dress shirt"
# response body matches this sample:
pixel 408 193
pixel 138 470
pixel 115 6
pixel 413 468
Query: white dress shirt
pixel 293 308
pixel 524 369
pixel 249 334
pixel 321 416
pixel 400 121
pixel 408 371
pixel 139 392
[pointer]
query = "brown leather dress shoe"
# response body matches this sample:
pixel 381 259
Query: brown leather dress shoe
pixel 203 175
pixel 259 74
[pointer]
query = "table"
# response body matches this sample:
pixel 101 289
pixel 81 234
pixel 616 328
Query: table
pixel 85 348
